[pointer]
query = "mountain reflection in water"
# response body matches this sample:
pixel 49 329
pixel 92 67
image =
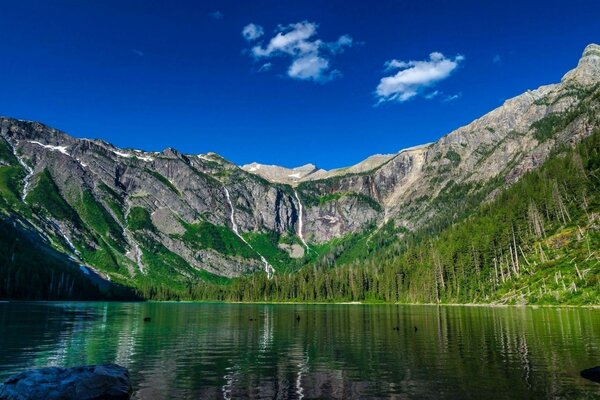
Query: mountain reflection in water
pixel 195 350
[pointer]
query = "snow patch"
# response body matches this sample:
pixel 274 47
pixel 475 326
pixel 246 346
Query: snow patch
pixel 145 158
pixel 205 157
pixel 62 149
pixel 295 176
pixel 127 155
pixel 121 154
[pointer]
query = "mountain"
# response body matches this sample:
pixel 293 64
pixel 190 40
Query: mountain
pixel 167 221
pixel 309 172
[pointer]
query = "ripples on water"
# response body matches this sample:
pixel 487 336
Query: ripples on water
pixel 332 351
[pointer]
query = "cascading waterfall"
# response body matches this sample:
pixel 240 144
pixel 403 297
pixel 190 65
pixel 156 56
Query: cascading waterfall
pixel 65 237
pixel 232 214
pixel 137 252
pixel 268 267
pixel 300 223
pixel 27 179
pixel 134 246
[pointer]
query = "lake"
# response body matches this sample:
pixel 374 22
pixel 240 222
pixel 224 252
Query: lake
pixel 199 350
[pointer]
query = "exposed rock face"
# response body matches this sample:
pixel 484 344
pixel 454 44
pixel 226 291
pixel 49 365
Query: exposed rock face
pixel 172 206
pixel 97 382
pixel 587 70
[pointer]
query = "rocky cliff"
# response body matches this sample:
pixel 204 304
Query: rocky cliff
pixel 168 218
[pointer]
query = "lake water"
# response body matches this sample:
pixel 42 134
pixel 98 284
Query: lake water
pixel 204 351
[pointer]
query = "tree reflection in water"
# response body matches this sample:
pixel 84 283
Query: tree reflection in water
pixel 194 350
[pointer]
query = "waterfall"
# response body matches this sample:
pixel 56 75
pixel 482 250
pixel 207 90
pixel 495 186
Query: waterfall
pixel 27 179
pixel 268 267
pixel 135 248
pixel 300 235
pixel 135 251
pixel 232 215
pixel 59 230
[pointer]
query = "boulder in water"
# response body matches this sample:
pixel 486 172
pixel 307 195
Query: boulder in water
pixel 93 382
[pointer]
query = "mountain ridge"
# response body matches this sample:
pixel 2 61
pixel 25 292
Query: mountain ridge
pixel 168 218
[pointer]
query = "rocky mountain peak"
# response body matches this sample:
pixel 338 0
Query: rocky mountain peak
pixel 587 71
pixel 170 152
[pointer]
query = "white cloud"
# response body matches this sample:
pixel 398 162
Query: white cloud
pixel 252 32
pixel 216 14
pixel 310 56
pixel 431 95
pixel 413 77
pixel 265 67
pixel 308 67
pixel 452 97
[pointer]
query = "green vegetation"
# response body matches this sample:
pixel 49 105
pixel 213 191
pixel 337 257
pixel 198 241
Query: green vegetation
pixel 46 198
pixel 6 154
pixel 139 219
pixel 113 200
pixel 163 180
pixel 167 275
pixel 204 235
pixel 573 91
pixel 454 157
pixel 10 177
pixel 99 255
pixel 546 127
pixel 267 245
pixel 99 220
pixel 22 255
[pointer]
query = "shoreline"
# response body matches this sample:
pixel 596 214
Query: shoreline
pixel 353 303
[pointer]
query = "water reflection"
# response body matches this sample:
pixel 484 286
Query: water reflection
pixel 342 351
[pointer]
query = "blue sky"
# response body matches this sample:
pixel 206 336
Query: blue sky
pixel 326 82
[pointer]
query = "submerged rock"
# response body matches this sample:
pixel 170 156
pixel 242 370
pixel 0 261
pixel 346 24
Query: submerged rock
pixel 593 374
pixel 93 382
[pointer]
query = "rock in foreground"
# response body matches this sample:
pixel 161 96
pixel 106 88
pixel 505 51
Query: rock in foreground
pixel 593 374
pixel 93 382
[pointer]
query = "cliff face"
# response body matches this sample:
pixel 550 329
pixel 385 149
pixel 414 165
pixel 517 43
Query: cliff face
pixel 168 217
pixel 474 160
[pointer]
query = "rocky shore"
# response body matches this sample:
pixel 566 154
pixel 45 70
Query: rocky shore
pixel 93 382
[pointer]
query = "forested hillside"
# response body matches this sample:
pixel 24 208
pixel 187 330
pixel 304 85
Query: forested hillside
pixel 537 242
